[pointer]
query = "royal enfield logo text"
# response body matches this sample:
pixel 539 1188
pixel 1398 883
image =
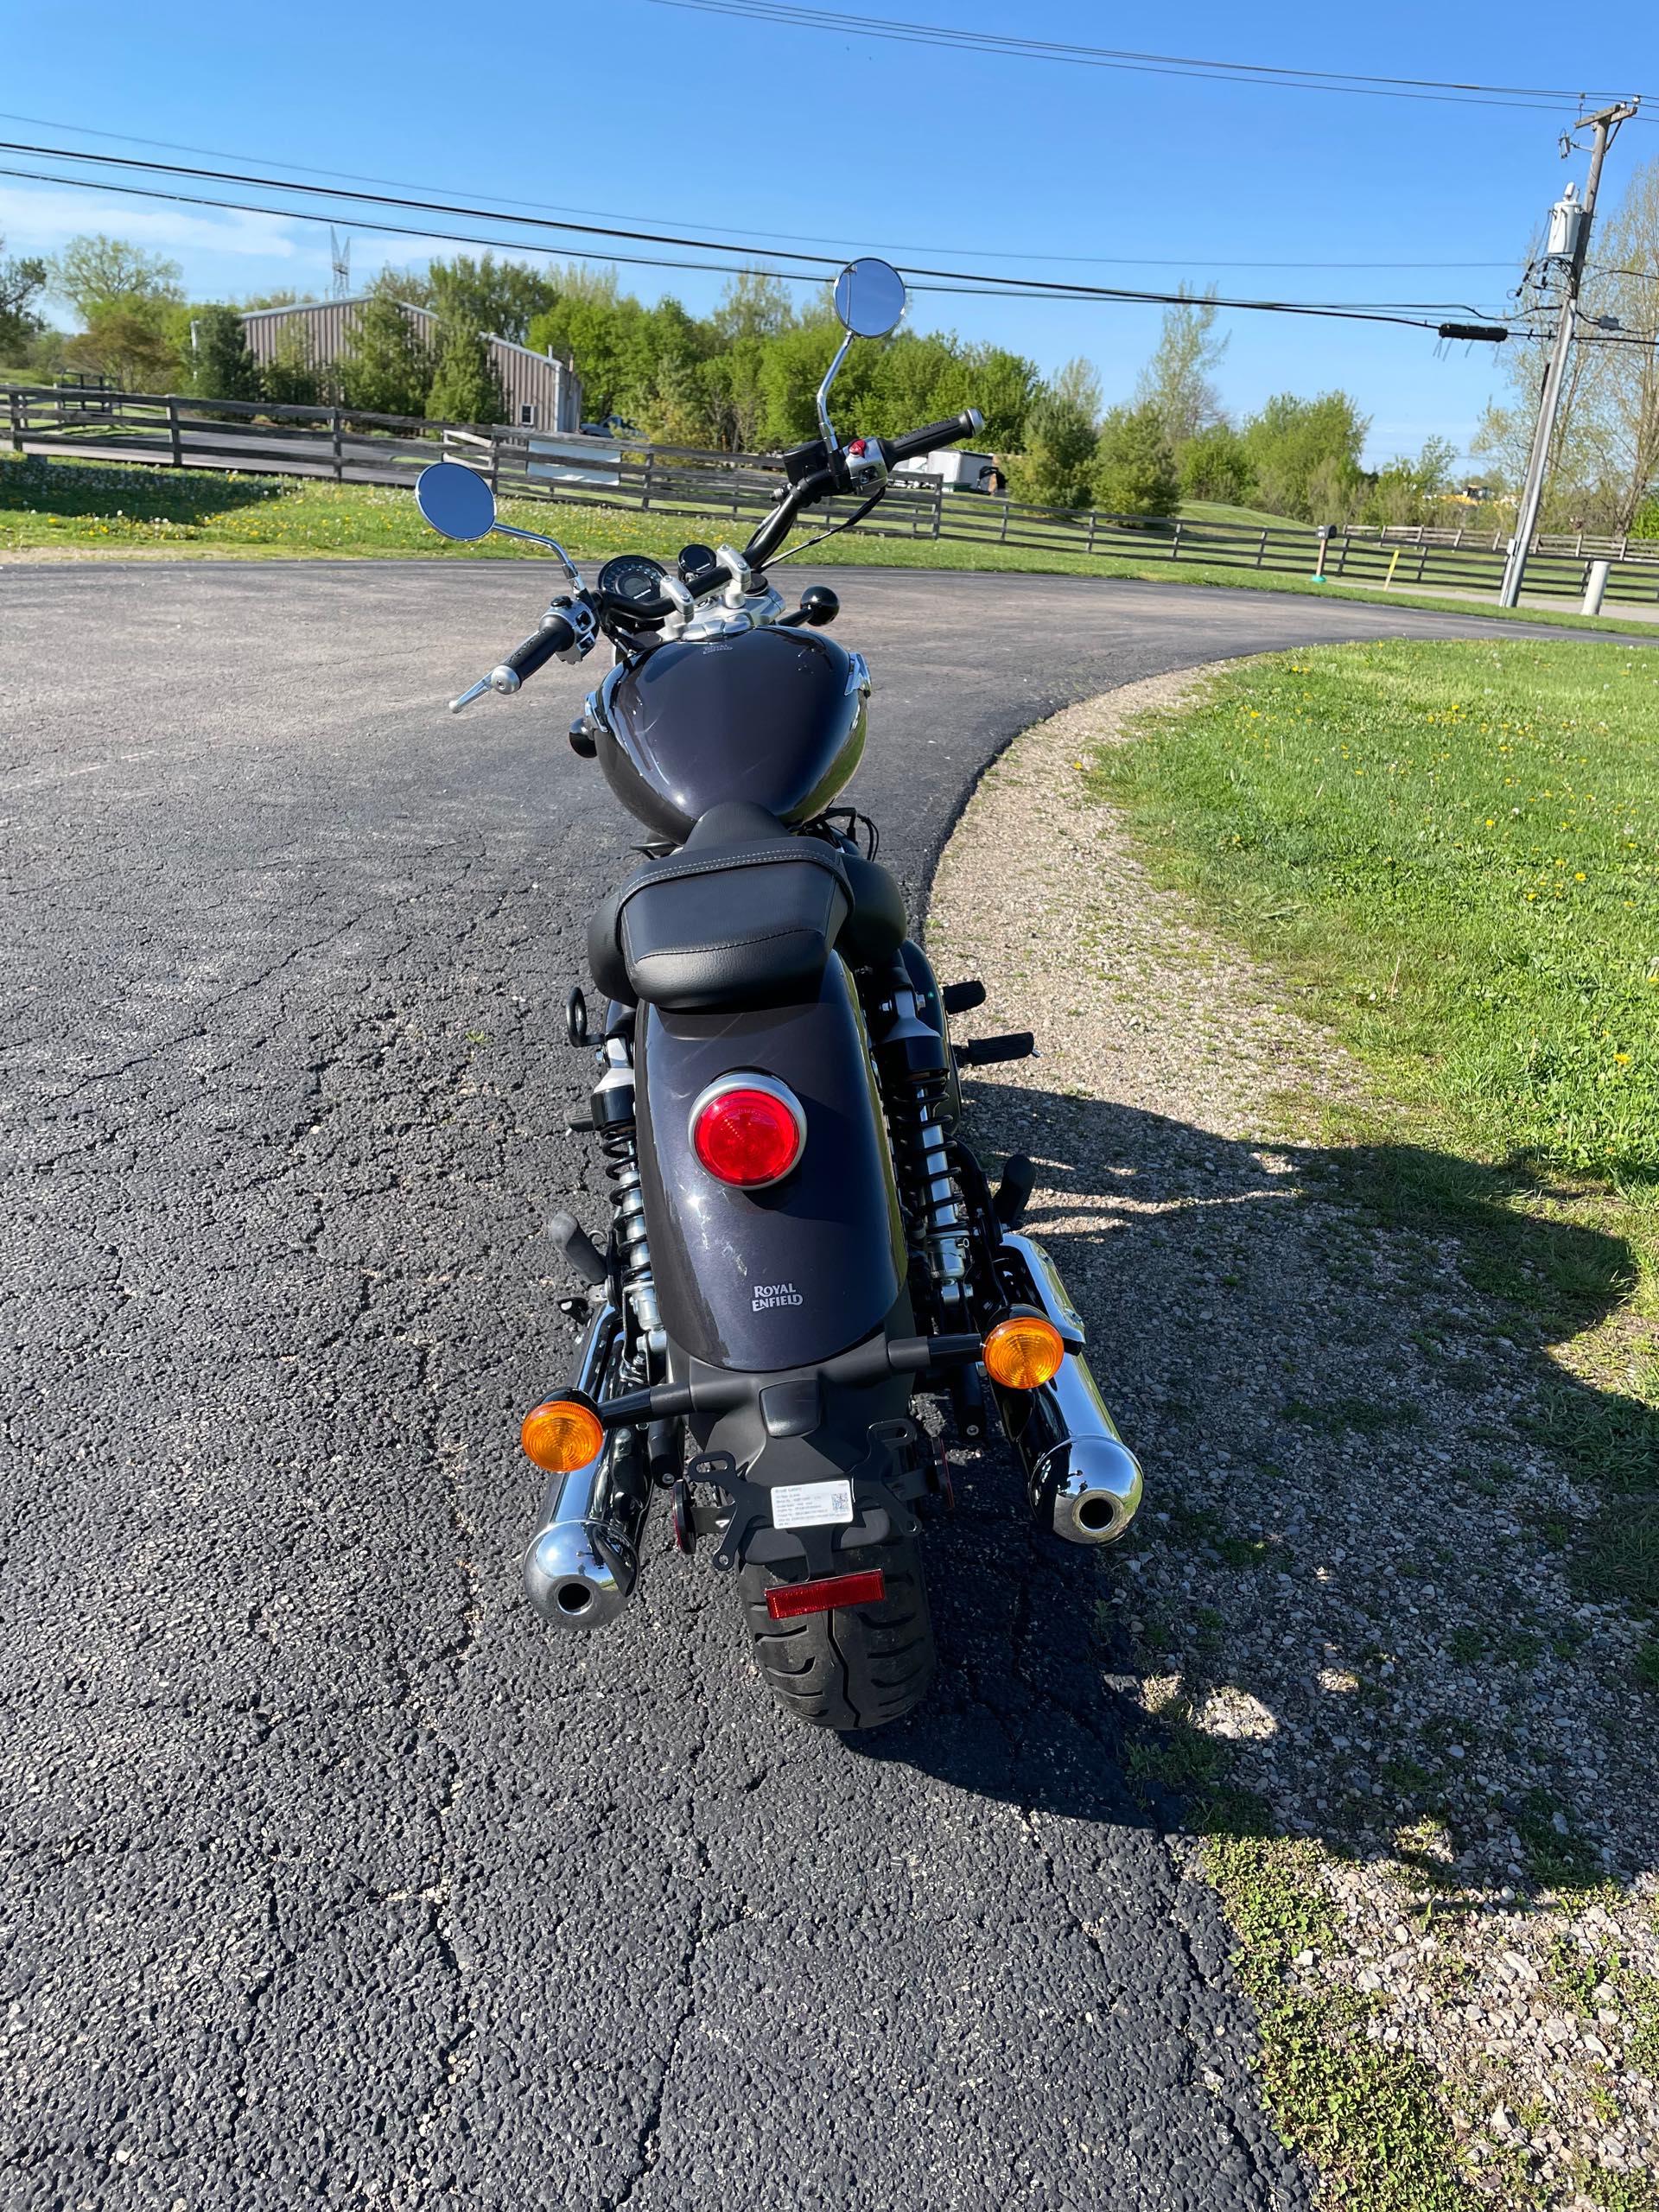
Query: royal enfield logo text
pixel 774 1293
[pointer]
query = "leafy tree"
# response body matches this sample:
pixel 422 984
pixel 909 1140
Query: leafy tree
pixel 128 302
pixel 734 397
pixel 1134 468
pixel 221 364
pixel 752 305
pixel 1304 454
pixel 1408 490
pixel 1215 466
pixel 290 377
pixel 21 283
pixel 1003 386
pixel 386 368
pixel 94 272
pixel 1176 382
pixel 500 298
pixel 130 343
pixel 1057 468
pixel 465 385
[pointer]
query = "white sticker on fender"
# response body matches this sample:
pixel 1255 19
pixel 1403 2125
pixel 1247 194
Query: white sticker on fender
pixel 811 1505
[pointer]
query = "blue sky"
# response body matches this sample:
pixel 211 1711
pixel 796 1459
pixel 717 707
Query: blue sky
pixel 684 119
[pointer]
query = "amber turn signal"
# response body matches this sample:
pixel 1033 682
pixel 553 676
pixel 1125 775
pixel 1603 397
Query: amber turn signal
pixel 560 1436
pixel 1023 1351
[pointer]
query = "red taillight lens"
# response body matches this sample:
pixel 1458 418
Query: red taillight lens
pixel 747 1133
pixel 798 1597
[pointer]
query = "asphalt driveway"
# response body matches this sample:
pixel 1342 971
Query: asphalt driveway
pixel 333 1880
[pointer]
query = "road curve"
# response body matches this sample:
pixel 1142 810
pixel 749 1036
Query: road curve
pixel 333 1880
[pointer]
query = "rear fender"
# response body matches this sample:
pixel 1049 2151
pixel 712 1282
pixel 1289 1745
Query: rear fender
pixel 768 1279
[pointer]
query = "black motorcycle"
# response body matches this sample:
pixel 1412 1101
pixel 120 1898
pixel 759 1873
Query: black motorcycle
pixel 802 1242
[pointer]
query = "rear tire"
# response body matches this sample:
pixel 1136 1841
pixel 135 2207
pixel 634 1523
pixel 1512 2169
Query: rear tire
pixel 860 1666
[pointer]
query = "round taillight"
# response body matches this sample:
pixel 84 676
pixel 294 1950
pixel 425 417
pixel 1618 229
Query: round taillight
pixel 747 1131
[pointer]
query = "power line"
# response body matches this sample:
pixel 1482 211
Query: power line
pixel 786 237
pixel 945 279
pixel 1008 45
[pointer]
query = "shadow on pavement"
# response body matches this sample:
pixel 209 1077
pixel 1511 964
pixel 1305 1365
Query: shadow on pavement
pixel 1376 1582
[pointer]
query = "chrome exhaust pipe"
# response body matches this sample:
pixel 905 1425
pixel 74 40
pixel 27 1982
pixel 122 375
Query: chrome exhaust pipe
pixel 1081 1477
pixel 582 1562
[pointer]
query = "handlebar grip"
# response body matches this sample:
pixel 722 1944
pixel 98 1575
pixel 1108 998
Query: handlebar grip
pixel 555 636
pixel 936 434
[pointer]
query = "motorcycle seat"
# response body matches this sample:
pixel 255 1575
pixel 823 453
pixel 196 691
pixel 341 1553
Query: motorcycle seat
pixel 744 915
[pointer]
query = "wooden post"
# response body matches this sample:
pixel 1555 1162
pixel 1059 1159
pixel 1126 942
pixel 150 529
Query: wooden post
pixel 174 438
pixel 1002 535
pixel 1093 519
pixel 495 461
pixel 938 506
pixel 1175 544
pixel 644 484
pixel 340 454
pixel 17 411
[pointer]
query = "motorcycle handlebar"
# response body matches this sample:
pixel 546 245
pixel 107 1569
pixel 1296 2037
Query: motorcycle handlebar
pixel 555 636
pixel 936 434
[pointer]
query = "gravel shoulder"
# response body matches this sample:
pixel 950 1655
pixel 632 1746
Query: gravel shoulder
pixel 1344 1610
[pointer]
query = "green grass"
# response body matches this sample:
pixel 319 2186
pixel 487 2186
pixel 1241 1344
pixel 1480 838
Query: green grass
pixel 1456 847
pixel 1364 2113
pixel 90 508
pixel 1244 517
pixel 1451 852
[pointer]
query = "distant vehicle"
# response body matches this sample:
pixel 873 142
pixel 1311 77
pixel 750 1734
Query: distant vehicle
pixel 956 472
pixel 613 426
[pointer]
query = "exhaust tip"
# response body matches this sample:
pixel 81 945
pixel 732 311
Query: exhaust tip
pixel 579 1576
pixel 1097 1489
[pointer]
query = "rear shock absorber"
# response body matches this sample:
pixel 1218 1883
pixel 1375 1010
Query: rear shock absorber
pixel 929 1182
pixel 614 1120
pixel 912 1058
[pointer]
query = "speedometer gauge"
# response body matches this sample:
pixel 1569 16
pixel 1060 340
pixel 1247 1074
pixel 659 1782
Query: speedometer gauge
pixel 633 576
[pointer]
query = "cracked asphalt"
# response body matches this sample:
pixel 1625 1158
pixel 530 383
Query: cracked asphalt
pixel 333 1880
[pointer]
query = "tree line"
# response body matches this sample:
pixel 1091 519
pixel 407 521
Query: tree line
pixel 742 378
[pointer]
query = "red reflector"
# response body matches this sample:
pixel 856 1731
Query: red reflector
pixel 786 1604
pixel 748 1137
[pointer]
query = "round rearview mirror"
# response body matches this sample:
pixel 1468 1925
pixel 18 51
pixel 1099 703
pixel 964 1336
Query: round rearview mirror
pixel 869 297
pixel 456 501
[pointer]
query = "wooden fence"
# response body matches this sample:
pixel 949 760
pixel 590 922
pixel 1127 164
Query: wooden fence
pixel 344 446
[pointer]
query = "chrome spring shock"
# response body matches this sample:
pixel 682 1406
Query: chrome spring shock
pixel 938 1215
pixel 619 1142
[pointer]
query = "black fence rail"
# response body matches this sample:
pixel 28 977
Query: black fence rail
pixel 345 446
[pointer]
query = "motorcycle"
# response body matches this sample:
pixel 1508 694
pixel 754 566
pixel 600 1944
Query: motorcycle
pixel 803 1245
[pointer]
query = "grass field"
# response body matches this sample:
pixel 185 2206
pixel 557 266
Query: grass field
pixel 88 509
pixel 1451 852
pixel 1242 518
pixel 1462 842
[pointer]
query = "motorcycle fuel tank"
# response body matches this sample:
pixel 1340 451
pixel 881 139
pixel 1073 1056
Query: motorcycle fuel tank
pixel 774 716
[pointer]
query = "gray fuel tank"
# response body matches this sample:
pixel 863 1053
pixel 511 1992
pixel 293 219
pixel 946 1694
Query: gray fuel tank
pixel 775 716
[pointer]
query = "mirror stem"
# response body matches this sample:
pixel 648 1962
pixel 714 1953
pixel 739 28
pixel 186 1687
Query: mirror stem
pixel 829 375
pixel 535 537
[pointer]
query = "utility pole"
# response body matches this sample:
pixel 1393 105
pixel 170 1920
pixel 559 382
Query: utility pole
pixel 1604 125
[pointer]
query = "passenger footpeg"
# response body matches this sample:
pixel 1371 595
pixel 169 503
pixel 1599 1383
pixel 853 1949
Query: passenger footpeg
pixel 577 1247
pixel 1017 1044
pixel 961 998
pixel 1013 1192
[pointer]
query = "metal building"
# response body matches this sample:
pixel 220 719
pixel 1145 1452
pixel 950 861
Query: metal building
pixel 542 393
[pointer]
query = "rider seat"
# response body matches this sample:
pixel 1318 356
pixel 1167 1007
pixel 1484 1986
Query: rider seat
pixel 744 915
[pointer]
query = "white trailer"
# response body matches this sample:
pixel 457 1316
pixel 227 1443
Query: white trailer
pixel 956 471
